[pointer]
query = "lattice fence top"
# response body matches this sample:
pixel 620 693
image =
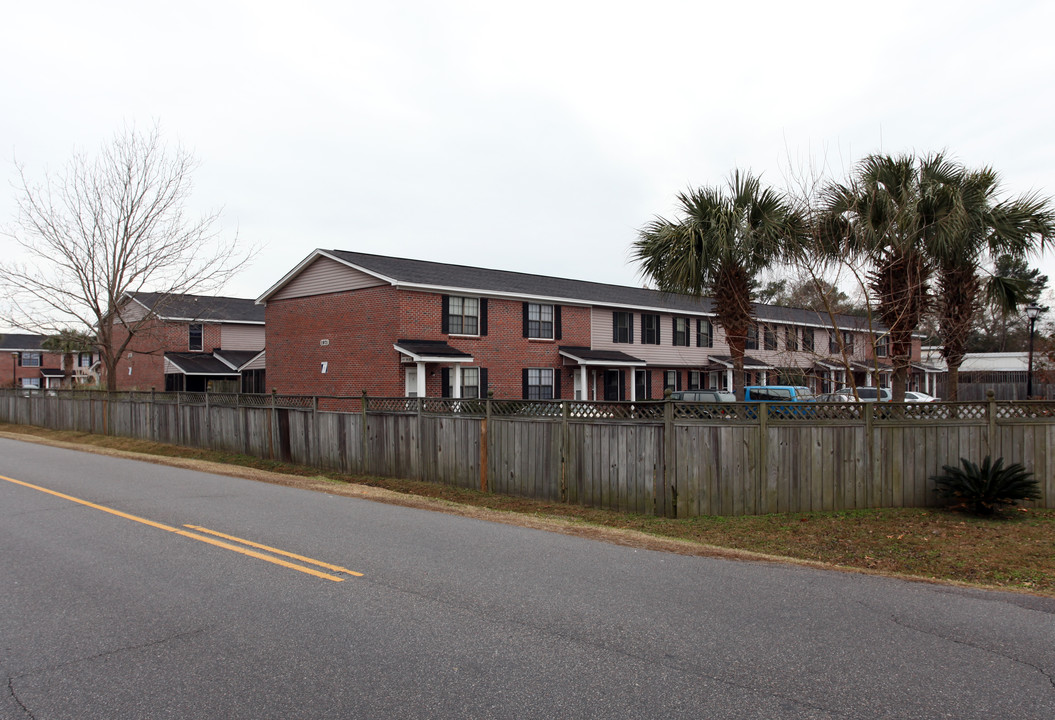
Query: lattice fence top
pixel 648 410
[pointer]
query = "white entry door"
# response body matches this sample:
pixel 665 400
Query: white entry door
pixel 412 381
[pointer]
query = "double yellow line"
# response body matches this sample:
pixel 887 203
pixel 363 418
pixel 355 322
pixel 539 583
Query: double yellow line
pixel 212 541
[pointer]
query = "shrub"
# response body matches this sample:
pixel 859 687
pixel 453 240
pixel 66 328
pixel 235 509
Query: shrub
pixel 983 490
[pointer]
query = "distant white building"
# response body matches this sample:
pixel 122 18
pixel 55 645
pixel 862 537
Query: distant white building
pixel 1006 373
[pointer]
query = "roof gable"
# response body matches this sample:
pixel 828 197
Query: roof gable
pixel 200 308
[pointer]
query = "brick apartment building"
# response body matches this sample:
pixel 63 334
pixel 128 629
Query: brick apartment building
pixel 341 323
pixel 191 342
pixel 25 364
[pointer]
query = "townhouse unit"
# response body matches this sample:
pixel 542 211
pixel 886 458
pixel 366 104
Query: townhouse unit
pixel 195 343
pixel 341 323
pixel 24 363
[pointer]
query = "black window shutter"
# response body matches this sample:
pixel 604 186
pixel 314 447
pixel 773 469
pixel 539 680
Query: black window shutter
pixel 525 383
pixel 483 382
pixel 445 380
pixel 673 331
pixel 677 379
pixel 648 385
pixel 556 384
pixel 643 338
pixel 483 316
pixel 615 327
pixel 525 320
pixel 631 321
pixel 658 333
pixel 556 322
pixel 445 324
pixel 622 385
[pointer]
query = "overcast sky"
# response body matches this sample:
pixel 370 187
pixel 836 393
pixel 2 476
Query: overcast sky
pixel 523 136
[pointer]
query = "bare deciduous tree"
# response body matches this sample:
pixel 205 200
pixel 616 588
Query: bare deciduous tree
pixel 109 225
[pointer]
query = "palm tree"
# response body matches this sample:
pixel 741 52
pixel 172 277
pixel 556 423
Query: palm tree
pixel 717 247
pixel 68 342
pixel 888 214
pixel 987 228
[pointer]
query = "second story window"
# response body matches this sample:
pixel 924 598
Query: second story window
pixel 195 334
pixel 539 321
pixel 649 329
pixel 29 359
pixel 622 327
pixel 882 346
pixel 84 359
pixel 848 343
pixel 751 343
pixel 769 337
pixel 791 338
pixel 807 339
pixel 704 333
pixel 681 331
pixel 463 316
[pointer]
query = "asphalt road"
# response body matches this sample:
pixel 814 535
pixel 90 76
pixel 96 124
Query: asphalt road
pixel 105 616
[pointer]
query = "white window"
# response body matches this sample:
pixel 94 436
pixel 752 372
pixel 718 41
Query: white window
pixel 539 384
pixel 30 359
pixel 31 382
pixel 470 382
pixel 194 337
pixel 540 321
pixel 463 316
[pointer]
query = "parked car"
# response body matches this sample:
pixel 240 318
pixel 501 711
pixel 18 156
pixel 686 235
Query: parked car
pixel 701 403
pixel 793 394
pixel 915 397
pixel 703 396
pixel 864 394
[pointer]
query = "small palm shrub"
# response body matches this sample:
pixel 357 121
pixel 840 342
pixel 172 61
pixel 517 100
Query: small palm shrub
pixel 984 489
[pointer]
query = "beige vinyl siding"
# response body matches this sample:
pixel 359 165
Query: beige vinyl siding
pixel 326 276
pixel 260 363
pixel 241 337
pixel 666 354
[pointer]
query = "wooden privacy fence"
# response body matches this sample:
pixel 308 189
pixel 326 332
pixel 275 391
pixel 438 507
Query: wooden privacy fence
pixel 664 458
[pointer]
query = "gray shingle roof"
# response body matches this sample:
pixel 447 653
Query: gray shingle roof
pixel 198 364
pixel 202 307
pixel 20 341
pixel 434 274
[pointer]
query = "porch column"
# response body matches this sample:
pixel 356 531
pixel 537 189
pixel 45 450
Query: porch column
pixel 584 390
pixel 729 380
pixel 633 384
pixel 868 378
pixel 765 377
pixel 456 391
pixel 420 390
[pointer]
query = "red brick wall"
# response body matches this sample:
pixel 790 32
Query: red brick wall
pixel 147 350
pixel 363 325
pixel 11 372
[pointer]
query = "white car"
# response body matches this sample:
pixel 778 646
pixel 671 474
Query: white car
pixel 913 396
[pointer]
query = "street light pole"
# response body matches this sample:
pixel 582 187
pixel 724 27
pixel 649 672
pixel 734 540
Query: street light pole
pixel 1032 312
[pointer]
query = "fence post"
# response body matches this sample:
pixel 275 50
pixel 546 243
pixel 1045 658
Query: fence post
pixel 153 417
pixel 485 426
pixel 761 471
pixel 565 440
pixel 667 490
pixel 208 420
pixel 315 445
pixel 990 399
pixel 363 437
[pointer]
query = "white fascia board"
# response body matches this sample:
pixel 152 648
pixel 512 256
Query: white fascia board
pixel 432 358
pixel 604 363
